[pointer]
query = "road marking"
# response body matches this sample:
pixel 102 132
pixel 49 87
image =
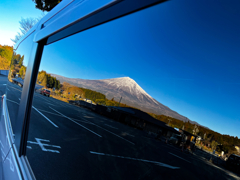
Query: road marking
pixel 125 133
pixel 4 84
pixel 110 126
pixel 76 122
pixel 130 135
pixel 42 145
pixel 88 117
pixel 49 112
pixel 111 132
pixel 62 116
pixel 62 105
pixel 87 122
pixel 42 97
pixel 179 157
pixel 51 104
pixel 29 147
pixel 12 101
pixel 15 88
pixel 45 117
pixel 143 160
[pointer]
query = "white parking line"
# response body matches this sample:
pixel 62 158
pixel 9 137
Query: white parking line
pixel 62 116
pixel 12 101
pixel 111 132
pixel 110 126
pixel 88 117
pixel 62 105
pixel 45 117
pixel 15 88
pixel 135 159
pixel 51 104
pixel 130 135
pixel 76 123
pixel 87 122
pixel 42 97
pixel 179 157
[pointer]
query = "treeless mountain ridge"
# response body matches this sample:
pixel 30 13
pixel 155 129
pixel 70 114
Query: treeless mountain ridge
pixel 132 94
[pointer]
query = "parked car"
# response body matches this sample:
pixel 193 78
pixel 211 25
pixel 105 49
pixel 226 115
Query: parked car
pixel 45 92
pixel 175 139
pixel 233 163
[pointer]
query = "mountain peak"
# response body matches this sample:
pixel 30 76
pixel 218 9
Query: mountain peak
pixel 132 94
pixel 121 79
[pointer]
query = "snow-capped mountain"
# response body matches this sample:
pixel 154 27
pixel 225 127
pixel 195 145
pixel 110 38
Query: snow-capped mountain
pixel 132 94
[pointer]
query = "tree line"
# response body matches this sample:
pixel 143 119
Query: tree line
pixel 224 142
pixel 5 57
pixel 48 81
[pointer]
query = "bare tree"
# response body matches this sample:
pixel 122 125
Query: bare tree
pixel 25 26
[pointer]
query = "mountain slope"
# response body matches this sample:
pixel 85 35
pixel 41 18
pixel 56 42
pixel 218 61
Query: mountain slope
pixel 132 94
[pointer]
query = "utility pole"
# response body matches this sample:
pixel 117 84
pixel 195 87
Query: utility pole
pixel 119 101
pixel 169 120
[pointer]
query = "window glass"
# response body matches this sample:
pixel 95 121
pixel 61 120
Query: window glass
pixel 113 96
pixel 16 77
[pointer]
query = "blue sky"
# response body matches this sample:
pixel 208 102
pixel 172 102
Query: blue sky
pixel 11 13
pixel 184 53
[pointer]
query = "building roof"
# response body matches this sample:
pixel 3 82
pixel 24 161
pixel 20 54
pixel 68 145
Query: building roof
pixel 145 116
pixel 188 133
pixel 21 81
pixel 128 110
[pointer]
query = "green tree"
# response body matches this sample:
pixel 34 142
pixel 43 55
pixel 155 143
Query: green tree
pixel 46 5
pixel 214 145
pixel 6 52
pixel 44 81
pixel 22 72
pixel 110 103
pixel 21 61
pixel 100 101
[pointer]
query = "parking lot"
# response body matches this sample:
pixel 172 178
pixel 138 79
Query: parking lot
pixel 70 142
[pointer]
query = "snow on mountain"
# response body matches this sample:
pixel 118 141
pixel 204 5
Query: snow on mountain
pixel 126 83
pixel 132 94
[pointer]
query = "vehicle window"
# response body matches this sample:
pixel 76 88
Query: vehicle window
pixel 16 77
pixel 119 90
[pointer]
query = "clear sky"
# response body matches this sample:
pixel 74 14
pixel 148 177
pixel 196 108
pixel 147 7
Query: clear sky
pixel 184 53
pixel 11 13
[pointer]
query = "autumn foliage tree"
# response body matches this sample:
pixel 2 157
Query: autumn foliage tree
pixel 47 80
pixel 5 57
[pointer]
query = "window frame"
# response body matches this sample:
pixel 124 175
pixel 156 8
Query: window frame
pixel 113 10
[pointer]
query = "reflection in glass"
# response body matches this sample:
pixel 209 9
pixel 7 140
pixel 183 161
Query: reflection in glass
pixel 5 60
pixel 106 106
pixel 16 77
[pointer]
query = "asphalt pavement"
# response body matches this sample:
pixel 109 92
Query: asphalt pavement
pixel 70 142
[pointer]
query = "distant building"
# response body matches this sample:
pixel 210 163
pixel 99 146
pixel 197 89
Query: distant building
pixel 20 81
pixel 188 136
pixel 237 148
pixel 141 120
